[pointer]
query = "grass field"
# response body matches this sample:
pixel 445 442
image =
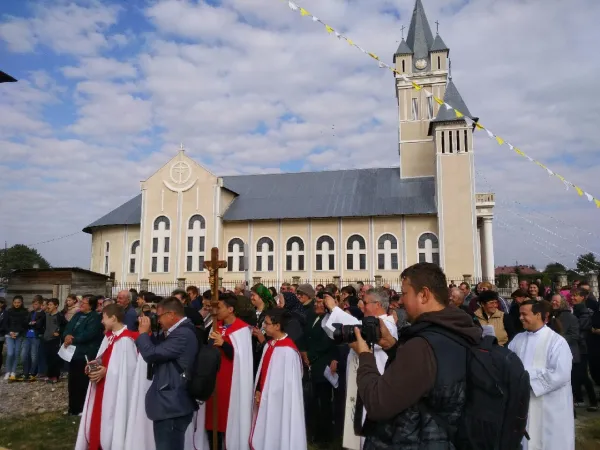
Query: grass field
pixel 53 431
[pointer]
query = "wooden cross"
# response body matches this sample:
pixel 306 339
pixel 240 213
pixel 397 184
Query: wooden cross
pixel 437 27
pixel 213 266
pixel 402 28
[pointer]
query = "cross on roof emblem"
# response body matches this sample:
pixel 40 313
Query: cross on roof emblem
pixel 180 172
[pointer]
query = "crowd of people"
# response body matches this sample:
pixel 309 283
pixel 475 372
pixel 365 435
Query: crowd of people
pixel 285 376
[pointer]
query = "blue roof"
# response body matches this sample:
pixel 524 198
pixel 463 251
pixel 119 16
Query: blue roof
pixel 342 193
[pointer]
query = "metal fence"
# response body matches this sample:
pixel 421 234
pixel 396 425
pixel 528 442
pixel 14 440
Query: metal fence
pixel 166 288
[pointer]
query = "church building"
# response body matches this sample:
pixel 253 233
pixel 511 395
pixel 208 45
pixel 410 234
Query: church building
pixel 352 224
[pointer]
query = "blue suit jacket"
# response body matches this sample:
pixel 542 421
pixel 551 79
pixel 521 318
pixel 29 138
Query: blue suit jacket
pixel 167 396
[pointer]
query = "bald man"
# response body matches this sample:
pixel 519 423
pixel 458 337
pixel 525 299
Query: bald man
pixel 131 318
pixel 457 298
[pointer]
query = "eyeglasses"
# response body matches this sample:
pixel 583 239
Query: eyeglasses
pixel 167 312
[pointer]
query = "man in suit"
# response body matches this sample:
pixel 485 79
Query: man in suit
pixel 168 403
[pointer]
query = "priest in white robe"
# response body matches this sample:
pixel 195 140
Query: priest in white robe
pixel 376 303
pixel 548 360
pixel 103 423
pixel 278 414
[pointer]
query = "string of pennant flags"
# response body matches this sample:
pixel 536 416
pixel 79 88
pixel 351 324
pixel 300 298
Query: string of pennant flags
pixel 501 141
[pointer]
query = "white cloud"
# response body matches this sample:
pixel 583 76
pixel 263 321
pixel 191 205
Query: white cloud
pixel 251 85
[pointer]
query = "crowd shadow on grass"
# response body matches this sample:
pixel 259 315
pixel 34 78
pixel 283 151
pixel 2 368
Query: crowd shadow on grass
pixel 47 431
pixel 53 431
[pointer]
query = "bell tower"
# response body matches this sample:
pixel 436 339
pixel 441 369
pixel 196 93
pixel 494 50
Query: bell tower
pixel 436 142
pixel 423 59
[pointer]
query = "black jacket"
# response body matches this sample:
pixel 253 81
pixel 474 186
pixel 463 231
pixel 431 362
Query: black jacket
pixel 570 331
pixel 36 322
pixel 3 323
pixel 321 350
pixel 17 320
pixel 584 316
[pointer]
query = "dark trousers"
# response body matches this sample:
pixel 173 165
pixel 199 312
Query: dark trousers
pixel 1 353
pixel 220 440
pixel 78 384
pixel 169 434
pixel 579 376
pixel 320 413
pixel 53 361
pixel 339 405
pixel 594 359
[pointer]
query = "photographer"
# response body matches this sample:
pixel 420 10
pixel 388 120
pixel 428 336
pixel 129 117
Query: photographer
pixel 376 303
pixel 168 403
pixel 423 374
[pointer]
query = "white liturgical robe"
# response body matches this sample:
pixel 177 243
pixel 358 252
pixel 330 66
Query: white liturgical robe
pixel 548 360
pixel 350 440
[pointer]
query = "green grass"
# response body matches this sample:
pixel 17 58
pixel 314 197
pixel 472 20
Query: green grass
pixel 47 431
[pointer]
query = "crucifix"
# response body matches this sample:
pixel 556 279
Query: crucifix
pixel 213 266
pixel 402 29
pixel 181 147
pixel 437 27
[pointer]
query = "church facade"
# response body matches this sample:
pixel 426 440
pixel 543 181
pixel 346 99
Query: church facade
pixel 352 224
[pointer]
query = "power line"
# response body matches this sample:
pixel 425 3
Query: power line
pixel 55 239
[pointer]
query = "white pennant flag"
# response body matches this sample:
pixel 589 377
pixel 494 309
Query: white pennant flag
pixel 405 78
pixel 382 65
pixel 529 158
pixel 549 171
pixel 566 184
pixel 427 93
pixel 448 107
pixel 293 6
pixel 316 19
pixel 337 35
pixel 361 49
pixel 469 121
pixel 589 197
pixel 490 134
pixel 512 147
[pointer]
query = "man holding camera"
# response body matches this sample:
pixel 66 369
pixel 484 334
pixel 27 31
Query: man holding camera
pixel 376 303
pixel 168 403
pixel 422 374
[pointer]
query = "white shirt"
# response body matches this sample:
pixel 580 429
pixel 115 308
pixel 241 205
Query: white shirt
pixel 170 330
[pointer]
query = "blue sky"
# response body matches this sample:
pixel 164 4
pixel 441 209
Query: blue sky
pixel 109 89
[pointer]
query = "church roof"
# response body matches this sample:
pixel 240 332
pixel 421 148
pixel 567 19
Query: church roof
pixel 403 48
pixel 342 193
pixel 419 38
pixel 438 44
pixel 6 78
pixel 128 213
pixel 454 99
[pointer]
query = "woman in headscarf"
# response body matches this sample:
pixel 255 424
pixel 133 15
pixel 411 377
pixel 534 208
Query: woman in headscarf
pixel 262 300
pixel 295 325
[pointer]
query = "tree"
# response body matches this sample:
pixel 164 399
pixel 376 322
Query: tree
pixel 553 269
pixel 20 257
pixel 587 263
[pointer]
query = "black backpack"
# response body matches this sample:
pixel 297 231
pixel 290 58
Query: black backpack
pixel 497 397
pixel 202 378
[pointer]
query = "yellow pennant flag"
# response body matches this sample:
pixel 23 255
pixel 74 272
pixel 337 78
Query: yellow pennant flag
pixel 304 12
pixel 350 41
pixel 579 191
pixel 560 177
pixel 438 100
pixel 458 113
pixel 374 56
pixel 597 202
pixel 416 86
pixel 519 152
pixel 479 126
pixel 500 140
pixel 329 29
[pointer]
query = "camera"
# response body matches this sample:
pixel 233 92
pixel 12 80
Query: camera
pixel 369 330
pixel 154 325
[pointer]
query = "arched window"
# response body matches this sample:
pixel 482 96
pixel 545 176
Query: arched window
pixel 439 63
pixel 106 256
pixel 161 245
pixel 294 254
pixel 325 253
pixel 429 248
pixel 356 253
pixel 403 66
pixel 265 255
pixel 196 244
pixel 387 252
pixel 235 255
pixel 134 257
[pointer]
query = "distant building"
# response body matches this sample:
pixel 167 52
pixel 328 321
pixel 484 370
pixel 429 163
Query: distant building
pixel 355 224
pixel 523 270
